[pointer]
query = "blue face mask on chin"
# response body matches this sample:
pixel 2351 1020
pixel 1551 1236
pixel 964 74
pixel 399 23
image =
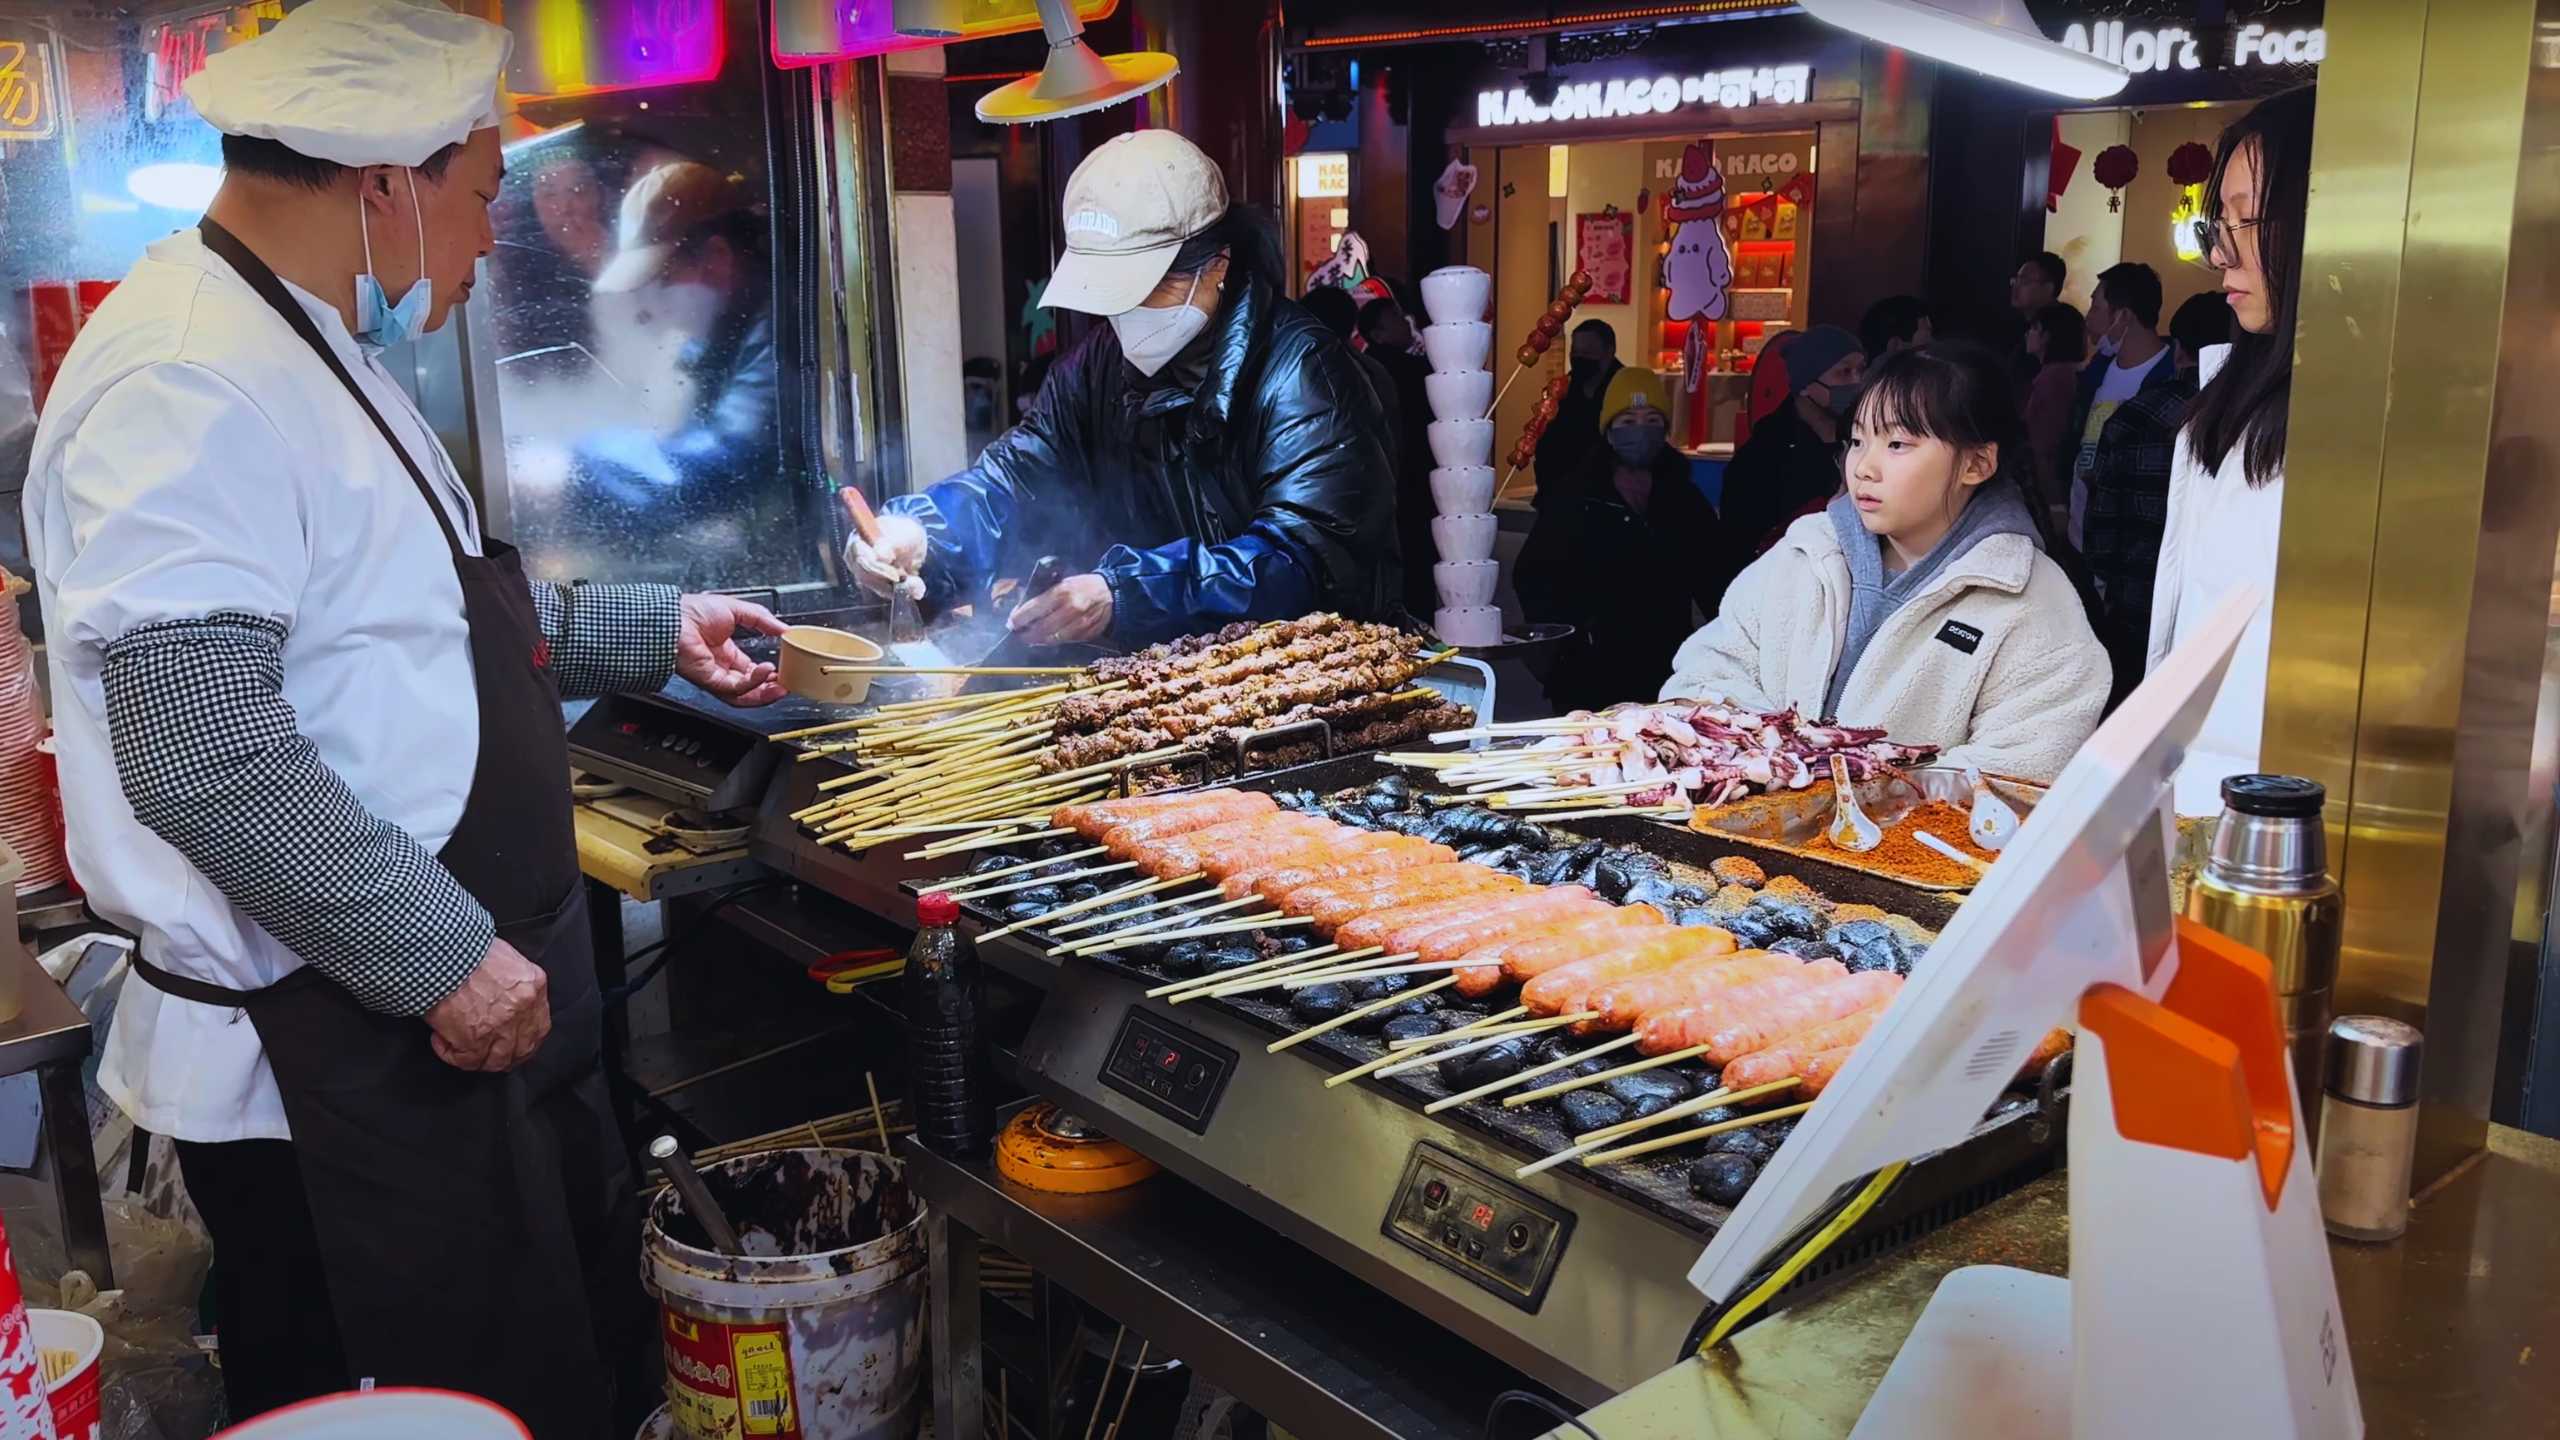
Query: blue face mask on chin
pixel 379 323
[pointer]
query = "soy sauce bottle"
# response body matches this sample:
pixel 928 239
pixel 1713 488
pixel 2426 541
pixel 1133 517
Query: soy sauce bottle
pixel 946 1061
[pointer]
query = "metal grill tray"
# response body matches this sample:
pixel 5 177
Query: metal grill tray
pixel 2004 1151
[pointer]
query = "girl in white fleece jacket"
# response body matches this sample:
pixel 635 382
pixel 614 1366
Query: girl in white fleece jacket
pixel 1922 600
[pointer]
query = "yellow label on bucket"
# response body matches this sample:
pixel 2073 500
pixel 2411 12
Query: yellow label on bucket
pixel 764 1382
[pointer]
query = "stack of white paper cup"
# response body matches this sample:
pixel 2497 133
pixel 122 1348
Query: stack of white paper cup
pixel 1461 390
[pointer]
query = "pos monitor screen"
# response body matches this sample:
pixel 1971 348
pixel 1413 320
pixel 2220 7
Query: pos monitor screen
pixel 2080 897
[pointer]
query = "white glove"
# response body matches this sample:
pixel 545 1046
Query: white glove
pixel 896 564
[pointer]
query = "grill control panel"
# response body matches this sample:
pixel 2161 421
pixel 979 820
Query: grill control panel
pixel 1487 1229
pixel 1168 1069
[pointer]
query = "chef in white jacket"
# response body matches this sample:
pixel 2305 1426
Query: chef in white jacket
pixel 311 752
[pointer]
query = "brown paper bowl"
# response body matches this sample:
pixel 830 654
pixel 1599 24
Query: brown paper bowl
pixel 806 652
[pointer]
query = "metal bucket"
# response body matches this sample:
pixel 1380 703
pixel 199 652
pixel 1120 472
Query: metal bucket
pixel 818 1333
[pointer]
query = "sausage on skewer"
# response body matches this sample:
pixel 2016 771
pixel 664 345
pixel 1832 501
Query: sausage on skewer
pixel 1490 965
pixel 1772 1063
pixel 1685 1026
pixel 1760 1027
pixel 1622 1003
pixel 1564 990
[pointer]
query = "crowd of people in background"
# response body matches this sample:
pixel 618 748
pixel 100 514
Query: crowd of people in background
pixel 1980 542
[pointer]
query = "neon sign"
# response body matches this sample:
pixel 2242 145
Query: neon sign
pixel 1661 95
pixel 26 91
pixel 575 47
pixel 2171 48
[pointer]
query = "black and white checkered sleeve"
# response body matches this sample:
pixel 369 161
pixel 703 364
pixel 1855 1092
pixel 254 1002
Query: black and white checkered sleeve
pixel 213 762
pixel 608 639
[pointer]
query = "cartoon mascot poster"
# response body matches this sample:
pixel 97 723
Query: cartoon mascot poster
pixel 1699 271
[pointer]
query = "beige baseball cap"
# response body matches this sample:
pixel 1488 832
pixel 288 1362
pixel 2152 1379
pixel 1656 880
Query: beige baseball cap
pixel 1129 208
pixel 658 211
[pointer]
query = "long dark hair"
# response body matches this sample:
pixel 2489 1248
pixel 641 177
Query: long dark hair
pixel 2246 405
pixel 1251 239
pixel 2066 333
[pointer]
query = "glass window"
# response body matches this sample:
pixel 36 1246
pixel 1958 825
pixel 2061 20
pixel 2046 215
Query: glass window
pixel 630 308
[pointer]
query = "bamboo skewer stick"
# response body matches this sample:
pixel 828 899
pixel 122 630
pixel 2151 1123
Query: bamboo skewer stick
pixel 1128 1392
pixel 1347 1016
pixel 1607 1133
pixel 1243 980
pixel 1605 1076
pixel 965 881
pixel 1036 881
pixel 1366 1067
pixel 1159 924
pixel 876 1117
pixel 1278 980
pixel 989 841
pixel 1142 887
pixel 1171 902
pixel 1381 969
pixel 1503 1022
pixel 1200 932
pixel 1686 1137
pixel 952 669
pixel 1203 983
pixel 1654 812
pixel 1107 1367
pixel 1434 1057
pixel 1506 1082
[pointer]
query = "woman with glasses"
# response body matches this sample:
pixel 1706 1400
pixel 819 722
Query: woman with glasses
pixel 2226 485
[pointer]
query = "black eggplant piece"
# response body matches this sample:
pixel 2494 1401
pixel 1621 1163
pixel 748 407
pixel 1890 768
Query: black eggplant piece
pixel 1055 846
pixel 1411 822
pixel 1912 955
pixel 1412 1027
pixel 1380 988
pixel 1499 1061
pixel 1786 916
pixel 1227 953
pixel 1047 897
pixel 1721 1179
pixel 1186 958
pixel 1867 945
pixel 1418 1005
pixel 1612 877
pixel 1505 858
pixel 1750 931
pixel 1588 1110
pixel 1586 860
pixel 1294 799
pixel 995 861
pixel 1085 890
pixel 1288 942
pixel 1320 1002
pixel 1804 948
pixel 1462 826
pixel 1021 909
pixel 1697 915
pixel 1750 1144
pixel 1659 892
pixel 1651 1092
pixel 1394 789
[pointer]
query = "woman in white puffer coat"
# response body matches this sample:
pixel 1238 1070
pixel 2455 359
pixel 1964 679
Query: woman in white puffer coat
pixel 1925 599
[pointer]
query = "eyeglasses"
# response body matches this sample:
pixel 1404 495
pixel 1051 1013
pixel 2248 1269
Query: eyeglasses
pixel 2219 237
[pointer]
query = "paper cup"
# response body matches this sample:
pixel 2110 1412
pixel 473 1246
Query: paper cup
pixel 1456 293
pixel 398 1414
pixel 1460 345
pixel 68 1343
pixel 1466 490
pixel 1464 537
pixel 1459 394
pixel 1468 625
pixel 1458 443
pixel 1464 583
pixel 807 651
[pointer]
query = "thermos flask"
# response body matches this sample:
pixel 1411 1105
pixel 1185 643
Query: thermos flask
pixel 2266 884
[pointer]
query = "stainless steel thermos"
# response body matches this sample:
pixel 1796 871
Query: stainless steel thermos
pixel 2266 884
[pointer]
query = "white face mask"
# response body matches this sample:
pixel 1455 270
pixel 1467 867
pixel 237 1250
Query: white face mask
pixel 1150 338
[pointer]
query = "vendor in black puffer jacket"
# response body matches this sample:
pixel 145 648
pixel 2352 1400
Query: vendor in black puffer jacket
pixel 1211 455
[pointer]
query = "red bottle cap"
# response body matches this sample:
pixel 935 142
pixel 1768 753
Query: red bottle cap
pixel 937 908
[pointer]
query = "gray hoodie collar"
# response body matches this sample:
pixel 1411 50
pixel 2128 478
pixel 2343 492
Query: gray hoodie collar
pixel 1875 594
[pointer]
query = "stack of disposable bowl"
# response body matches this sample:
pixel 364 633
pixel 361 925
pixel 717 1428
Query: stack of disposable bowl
pixel 1462 526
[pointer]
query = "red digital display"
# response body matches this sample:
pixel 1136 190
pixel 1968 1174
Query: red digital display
pixel 1171 1059
pixel 1481 1217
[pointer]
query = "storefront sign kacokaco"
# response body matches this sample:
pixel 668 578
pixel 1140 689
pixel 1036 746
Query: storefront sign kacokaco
pixel 1623 99
pixel 2171 48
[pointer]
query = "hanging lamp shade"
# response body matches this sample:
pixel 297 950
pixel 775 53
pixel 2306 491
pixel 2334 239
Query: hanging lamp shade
pixel 1075 79
pixel 1997 38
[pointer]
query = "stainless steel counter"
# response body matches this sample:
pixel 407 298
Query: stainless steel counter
pixel 2453 1327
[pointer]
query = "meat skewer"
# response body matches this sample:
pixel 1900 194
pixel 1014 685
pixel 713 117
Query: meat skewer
pixel 1793 1054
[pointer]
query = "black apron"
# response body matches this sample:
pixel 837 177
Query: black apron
pixel 479 1232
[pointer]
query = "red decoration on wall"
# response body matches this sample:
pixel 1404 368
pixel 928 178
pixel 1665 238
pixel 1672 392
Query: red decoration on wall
pixel 2190 164
pixel 2060 168
pixel 2115 168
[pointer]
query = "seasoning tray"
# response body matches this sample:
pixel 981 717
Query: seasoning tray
pixel 1792 821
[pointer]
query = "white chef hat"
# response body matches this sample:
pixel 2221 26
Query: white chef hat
pixel 359 82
